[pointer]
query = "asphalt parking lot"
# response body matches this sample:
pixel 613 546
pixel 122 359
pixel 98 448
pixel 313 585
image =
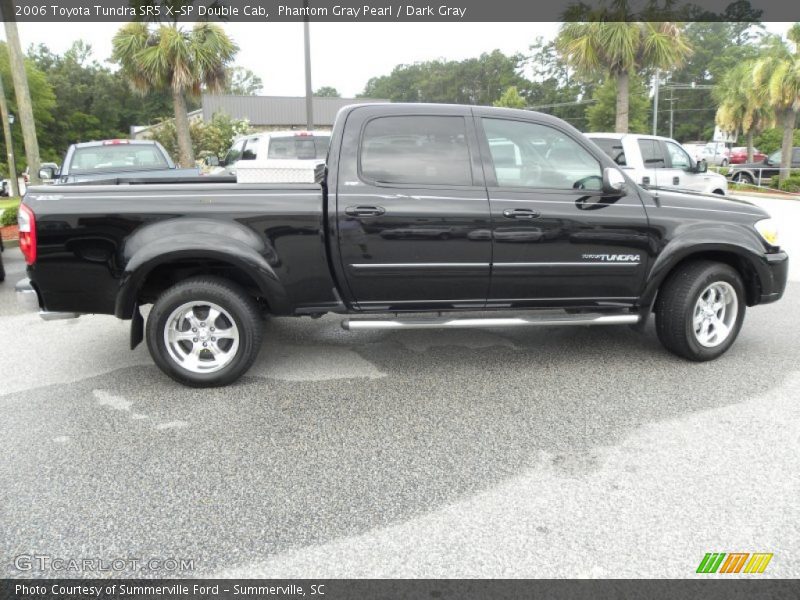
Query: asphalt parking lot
pixel 498 453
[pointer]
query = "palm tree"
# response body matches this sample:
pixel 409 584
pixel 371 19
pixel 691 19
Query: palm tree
pixel 620 48
pixel 776 81
pixel 169 58
pixel 740 107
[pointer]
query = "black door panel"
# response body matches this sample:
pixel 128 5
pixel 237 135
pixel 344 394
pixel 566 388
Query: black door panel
pixel 575 245
pixel 413 215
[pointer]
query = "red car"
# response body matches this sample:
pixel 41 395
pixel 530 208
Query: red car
pixel 739 155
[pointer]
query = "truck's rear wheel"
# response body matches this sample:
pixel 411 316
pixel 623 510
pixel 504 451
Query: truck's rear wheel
pixel 700 310
pixel 204 332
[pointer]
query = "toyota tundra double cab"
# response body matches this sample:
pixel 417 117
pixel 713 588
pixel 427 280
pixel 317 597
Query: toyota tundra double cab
pixel 426 216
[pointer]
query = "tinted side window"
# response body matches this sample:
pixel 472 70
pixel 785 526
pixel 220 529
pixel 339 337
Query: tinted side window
pixel 678 157
pixel 652 155
pixel 796 155
pixel 532 155
pixel 321 143
pixel 249 152
pixel 613 148
pixel 234 153
pixel 416 150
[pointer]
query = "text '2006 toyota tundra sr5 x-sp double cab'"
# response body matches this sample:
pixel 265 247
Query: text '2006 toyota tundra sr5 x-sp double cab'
pixel 422 209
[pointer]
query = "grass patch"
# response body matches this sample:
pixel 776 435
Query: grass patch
pixel 9 203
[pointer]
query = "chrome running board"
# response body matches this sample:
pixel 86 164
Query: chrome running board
pixel 474 323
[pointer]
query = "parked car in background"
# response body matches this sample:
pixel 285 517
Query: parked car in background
pixel 275 145
pixel 717 154
pixel 110 159
pixel 761 172
pixel 659 162
pixel 695 149
pixel 738 155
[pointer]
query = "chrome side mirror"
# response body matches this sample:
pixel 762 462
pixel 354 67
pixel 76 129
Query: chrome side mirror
pixel 613 181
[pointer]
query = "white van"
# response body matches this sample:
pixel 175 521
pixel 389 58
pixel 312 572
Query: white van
pixel 659 162
pixel 277 145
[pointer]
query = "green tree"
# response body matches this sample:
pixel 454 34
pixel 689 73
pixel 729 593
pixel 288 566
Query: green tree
pixel 717 47
pixel 601 115
pixel 740 108
pixel 776 81
pixel 212 138
pixel 327 91
pixel 21 88
pixel 184 62
pixel 479 80
pixel 770 140
pixel 43 101
pixel 242 82
pixel 620 48
pixel 511 99
pixel 94 103
pixel 553 88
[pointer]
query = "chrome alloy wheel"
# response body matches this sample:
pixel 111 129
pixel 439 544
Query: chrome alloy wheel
pixel 201 337
pixel 715 314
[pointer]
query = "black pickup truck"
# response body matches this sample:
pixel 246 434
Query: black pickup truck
pixel 509 217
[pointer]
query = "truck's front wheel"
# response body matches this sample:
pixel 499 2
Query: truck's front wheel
pixel 204 332
pixel 700 309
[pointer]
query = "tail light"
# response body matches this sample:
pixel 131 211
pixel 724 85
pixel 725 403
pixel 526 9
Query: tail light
pixel 27 233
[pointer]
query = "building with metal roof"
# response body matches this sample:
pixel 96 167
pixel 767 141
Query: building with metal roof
pixel 277 112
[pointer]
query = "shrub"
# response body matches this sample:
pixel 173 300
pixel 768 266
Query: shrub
pixel 790 184
pixel 9 216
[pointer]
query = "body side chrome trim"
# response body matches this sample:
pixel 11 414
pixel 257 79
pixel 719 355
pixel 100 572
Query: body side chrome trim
pixel 431 265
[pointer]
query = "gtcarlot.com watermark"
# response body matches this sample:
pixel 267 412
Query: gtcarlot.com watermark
pixel 46 562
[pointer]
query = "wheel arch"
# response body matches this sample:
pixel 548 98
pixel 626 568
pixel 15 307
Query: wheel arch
pixel 168 252
pixel 739 258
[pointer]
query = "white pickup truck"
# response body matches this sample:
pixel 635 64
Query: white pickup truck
pixel 659 162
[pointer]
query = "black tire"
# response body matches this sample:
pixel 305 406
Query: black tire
pixel 2 269
pixel 743 178
pixel 675 308
pixel 232 299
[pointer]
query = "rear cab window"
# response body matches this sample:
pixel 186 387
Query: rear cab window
pixel 422 150
pixel 299 146
pixel 117 156
pixel 613 148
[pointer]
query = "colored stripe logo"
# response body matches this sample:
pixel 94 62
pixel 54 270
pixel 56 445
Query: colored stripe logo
pixel 734 562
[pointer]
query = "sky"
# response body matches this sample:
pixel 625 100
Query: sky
pixel 343 55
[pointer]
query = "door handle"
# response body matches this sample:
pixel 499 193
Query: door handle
pixel 676 180
pixel 364 211
pixel 521 213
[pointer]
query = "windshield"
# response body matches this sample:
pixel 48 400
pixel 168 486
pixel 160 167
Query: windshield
pixel 775 157
pixel 117 157
pixel 298 147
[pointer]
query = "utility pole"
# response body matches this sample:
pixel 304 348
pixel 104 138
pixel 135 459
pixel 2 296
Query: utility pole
pixel 671 110
pixel 12 166
pixel 21 92
pixel 309 91
pixel 655 101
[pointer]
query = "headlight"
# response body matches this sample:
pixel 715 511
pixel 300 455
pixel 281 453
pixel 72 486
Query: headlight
pixel 768 230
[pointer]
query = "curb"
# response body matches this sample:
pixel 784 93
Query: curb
pixel 11 243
